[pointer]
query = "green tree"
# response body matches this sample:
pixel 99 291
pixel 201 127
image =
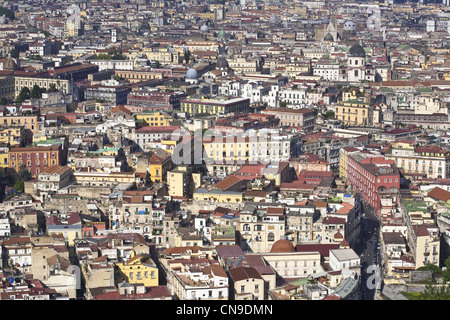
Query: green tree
pixel 52 87
pixel 23 95
pixel 24 173
pixel 7 13
pixel 19 186
pixel 36 92
pixel 3 101
pixel 329 114
pixel 187 56
pixel 144 25
pixel 433 292
pixel 35 57
pixel 14 53
pixel 283 104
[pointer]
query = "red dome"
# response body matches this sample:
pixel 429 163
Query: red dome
pixel 282 246
pixel 338 235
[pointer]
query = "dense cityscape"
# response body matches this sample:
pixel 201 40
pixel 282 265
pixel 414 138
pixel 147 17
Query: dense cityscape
pixel 224 150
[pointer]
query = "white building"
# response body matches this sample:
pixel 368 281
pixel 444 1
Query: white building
pixel 207 283
pixel 344 259
pixel 113 64
pixel 5 228
pixel 293 96
pixel 327 70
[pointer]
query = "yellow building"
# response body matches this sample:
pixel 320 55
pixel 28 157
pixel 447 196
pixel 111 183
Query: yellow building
pixel 153 119
pixel 21 82
pixel 28 122
pixel 243 65
pixel 424 241
pixel 11 135
pixel 227 149
pixel 102 178
pixel 217 196
pixel 354 112
pixel 431 161
pixel 4 163
pixel 160 164
pixel 170 144
pixel 176 181
pixel 69 232
pixel 343 161
pixel 138 75
pixel 138 269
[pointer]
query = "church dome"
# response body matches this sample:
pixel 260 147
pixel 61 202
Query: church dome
pixel 10 64
pixel 222 63
pixel 222 34
pixel 338 235
pixel 357 51
pixel 192 74
pixel 328 37
pixel 282 246
pixel 349 25
pixel 204 28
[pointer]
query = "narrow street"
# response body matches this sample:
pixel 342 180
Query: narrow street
pixel 370 254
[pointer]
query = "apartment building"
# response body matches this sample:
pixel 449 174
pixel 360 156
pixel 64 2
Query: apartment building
pixel 328 70
pixel 246 284
pixel 17 252
pixel 148 134
pixel 299 223
pixel 425 245
pixel 156 100
pixel 52 179
pixel 66 86
pixel 7 87
pixel 153 119
pixel 30 122
pixel 34 159
pixel 374 177
pixel 15 136
pixel 5 228
pixel 139 269
pixel 193 107
pixel 205 283
pixel 138 75
pixel 261 228
pixel 102 178
pixel 428 161
pixel 300 118
pixel 260 147
pixel 355 112
pixel 108 92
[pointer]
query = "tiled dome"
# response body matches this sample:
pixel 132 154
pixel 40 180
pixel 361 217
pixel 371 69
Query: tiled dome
pixel 282 246
pixel 357 51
